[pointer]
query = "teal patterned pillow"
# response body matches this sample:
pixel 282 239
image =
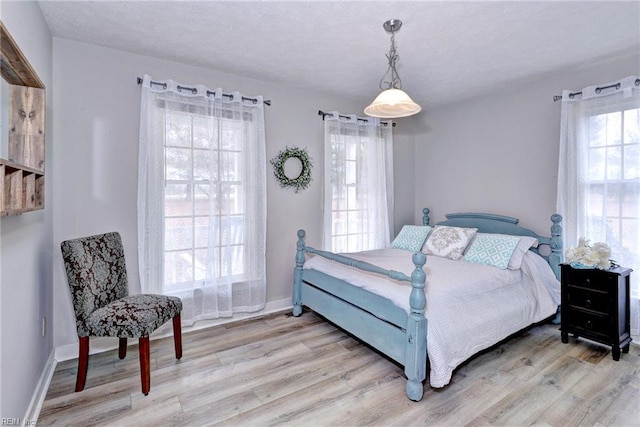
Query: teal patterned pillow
pixel 492 249
pixel 411 237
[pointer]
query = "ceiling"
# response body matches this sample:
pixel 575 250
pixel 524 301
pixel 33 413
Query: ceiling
pixel 449 50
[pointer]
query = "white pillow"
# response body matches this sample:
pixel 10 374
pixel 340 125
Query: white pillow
pixel 492 249
pixel 448 242
pixel 523 247
pixel 411 237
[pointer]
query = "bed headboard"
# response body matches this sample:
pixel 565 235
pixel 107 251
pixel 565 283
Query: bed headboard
pixel 550 248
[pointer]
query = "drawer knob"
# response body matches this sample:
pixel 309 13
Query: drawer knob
pixel 587 303
pixel 587 281
pixel 588 324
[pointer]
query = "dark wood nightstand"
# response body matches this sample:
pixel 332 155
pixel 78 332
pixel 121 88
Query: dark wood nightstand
pixel 595 305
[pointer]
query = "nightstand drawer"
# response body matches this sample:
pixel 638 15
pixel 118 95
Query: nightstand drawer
pixel 588 278
pixel 589 323
pixel 591 300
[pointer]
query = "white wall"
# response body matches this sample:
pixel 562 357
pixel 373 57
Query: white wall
pixel 97 109
pixel 404 172
pixel 25 244
pixel 499 153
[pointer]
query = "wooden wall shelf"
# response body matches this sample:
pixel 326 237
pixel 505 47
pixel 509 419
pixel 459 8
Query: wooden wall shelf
pixel 22 189
pixel 22 175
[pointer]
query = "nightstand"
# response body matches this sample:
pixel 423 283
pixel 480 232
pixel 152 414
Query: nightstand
pixel 595 305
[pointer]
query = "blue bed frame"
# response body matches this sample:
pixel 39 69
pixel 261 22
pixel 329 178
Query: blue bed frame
pixel 376 320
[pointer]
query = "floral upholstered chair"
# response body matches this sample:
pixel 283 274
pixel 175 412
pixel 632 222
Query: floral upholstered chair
pixel 97 278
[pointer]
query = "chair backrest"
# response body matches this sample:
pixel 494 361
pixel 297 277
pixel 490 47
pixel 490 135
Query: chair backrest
pixel 96 273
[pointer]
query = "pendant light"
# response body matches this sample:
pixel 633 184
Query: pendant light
pixel 393 101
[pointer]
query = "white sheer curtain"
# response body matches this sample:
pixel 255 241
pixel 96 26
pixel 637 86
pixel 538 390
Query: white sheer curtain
pixel 358 183
pixel 202 198
pixel 599 173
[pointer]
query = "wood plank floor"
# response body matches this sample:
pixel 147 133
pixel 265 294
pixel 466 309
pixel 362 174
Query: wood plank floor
pixel 282 370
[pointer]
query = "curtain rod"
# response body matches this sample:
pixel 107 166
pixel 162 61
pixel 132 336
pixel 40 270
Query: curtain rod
pixel 598 90
pixel 360 119
pixel 194 91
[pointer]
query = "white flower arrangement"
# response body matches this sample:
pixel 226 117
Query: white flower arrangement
pixel 589 256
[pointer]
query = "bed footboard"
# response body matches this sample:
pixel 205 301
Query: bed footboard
pixel 404 340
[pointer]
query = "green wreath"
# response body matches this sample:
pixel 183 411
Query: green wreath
pixel 303 180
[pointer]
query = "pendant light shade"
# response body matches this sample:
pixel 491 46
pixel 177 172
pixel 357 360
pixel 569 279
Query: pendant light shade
pixel 393 101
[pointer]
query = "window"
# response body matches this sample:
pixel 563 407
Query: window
pixel 348 219
pixel 358 183
pixel 202 199
pixel 612 184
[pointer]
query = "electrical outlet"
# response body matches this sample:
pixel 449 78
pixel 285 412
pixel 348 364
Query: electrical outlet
pixel 44 326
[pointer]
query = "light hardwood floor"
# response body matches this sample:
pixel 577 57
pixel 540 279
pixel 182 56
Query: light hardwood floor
pixel 282 370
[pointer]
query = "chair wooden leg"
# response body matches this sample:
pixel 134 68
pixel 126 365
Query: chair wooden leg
pixel 122 348
pixel 83 361
pixel 177 336
pixel 145 368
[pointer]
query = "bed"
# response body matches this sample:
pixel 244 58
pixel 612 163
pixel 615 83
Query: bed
pixel 428 311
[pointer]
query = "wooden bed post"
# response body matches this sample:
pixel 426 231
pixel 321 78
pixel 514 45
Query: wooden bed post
pixel 556 257
pixel 425 216
pixel 416 346
pixel 297 274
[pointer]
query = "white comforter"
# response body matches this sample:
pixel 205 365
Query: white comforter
pixel 469 307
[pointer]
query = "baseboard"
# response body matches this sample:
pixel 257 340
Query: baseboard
pixel 33 411
pixel 99 345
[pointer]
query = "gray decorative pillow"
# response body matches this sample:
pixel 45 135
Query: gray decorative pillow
pixel 448 242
